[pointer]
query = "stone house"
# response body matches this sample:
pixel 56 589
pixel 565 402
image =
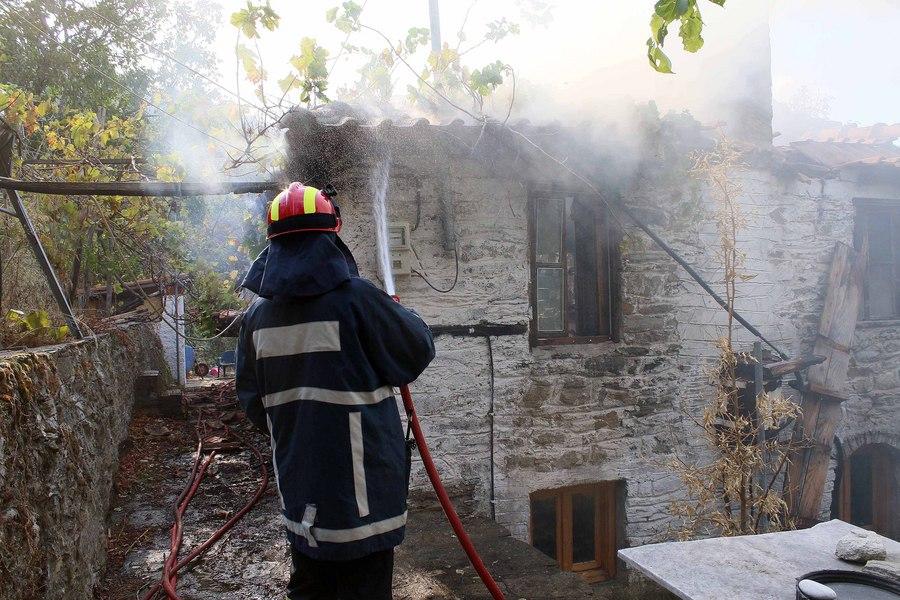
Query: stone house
pixel 571 350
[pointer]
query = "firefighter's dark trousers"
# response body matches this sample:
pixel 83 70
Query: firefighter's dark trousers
pixel 366 578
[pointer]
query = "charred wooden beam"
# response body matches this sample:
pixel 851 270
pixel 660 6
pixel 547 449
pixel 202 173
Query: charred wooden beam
pixel 139 188
pixel 786 367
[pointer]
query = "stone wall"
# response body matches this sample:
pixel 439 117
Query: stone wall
pixel 64 410
pixel 565 415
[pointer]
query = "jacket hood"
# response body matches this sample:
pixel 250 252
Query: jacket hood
pixel 299 265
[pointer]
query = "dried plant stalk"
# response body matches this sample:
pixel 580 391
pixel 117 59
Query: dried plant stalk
pixel 735 493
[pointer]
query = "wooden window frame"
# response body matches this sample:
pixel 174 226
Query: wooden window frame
pixel 605 246
pixel 863 207
pixel 605 494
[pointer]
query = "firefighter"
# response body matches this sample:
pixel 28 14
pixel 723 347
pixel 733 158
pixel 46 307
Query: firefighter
pixel 318 356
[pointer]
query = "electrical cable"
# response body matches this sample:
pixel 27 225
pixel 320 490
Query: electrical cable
pixel 425 279
pixel 21 20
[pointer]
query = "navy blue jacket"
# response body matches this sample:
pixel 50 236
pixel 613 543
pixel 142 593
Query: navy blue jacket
pixel 318 356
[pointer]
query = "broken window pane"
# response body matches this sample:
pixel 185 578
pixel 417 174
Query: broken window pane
pixel 549 299
pixel 548 245
pixel 583 528
pixel 543 525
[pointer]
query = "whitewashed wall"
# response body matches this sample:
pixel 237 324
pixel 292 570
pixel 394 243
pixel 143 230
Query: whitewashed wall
pixel 173 343
pixel 574 414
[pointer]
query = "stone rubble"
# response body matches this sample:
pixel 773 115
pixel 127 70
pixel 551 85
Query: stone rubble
pixel 860 546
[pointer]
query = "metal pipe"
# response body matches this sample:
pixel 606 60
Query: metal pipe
pixel 44 262
pixel 139 188
pixel 620 206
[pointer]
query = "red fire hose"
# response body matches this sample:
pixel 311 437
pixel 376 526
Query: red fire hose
pixel 444 499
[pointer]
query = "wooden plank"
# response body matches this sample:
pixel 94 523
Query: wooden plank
pixel 821 413
pixel 838 322
pixel 785 367
pixel 818 456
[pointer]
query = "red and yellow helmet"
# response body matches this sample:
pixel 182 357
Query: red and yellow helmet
pixel 303 208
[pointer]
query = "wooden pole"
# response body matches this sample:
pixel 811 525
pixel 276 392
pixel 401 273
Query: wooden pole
pixel 821 402
pixel 758 384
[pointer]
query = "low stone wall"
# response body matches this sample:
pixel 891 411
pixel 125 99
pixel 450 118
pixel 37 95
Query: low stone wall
pixel 64 410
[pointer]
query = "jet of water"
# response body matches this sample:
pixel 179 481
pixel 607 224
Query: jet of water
pixel 378 181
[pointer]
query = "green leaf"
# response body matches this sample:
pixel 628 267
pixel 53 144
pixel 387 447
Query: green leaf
pixel 38 319
pixel 354 10
pixel 666 9
pixel 487 79
pixel 658 59
pixel 659 28
pixel 288 83
pixel 331 14
pixel 415 37
pixel 681 7
pixel 691 29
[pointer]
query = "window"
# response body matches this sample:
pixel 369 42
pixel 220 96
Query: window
pixel 879 226
pixel 577 526
pixel 571 290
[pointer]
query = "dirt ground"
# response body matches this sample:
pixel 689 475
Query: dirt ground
pixel 251 562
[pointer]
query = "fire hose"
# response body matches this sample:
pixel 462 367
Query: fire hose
pixel 169 580
pixel 444 499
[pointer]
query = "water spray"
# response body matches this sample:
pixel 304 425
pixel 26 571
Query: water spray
pixel 379 185
pixel 379 182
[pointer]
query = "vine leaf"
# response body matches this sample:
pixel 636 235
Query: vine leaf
pixel 666 12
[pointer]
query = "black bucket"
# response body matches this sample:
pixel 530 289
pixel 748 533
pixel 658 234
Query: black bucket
pixel 853 585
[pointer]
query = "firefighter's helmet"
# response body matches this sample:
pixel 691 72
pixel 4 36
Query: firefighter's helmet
pixel 303 208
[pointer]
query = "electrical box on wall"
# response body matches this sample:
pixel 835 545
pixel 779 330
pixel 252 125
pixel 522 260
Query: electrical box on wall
pixel 399 245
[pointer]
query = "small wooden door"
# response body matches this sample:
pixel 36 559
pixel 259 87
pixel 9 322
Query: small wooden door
pixel 869 489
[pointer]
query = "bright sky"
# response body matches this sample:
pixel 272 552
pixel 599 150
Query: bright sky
pixel 594 51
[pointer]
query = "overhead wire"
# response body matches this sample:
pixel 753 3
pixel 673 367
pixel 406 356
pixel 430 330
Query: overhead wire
pixel 10 13
pixel 174 59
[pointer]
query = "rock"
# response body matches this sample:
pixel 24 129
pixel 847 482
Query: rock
pixel 883 568
pixel 860 546
pixel 816 591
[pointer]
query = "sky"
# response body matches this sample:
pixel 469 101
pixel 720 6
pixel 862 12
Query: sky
pixel 835 55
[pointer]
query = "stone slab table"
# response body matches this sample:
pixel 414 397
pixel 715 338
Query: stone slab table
pixel 751 567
